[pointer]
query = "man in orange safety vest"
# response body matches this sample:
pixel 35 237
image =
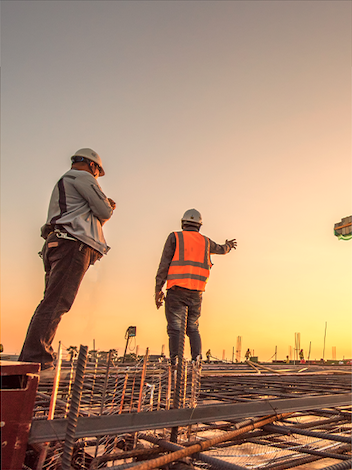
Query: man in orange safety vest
pixel 185 267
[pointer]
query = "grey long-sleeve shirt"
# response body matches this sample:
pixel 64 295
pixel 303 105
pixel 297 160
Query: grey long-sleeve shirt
pixel 79 206
pixel 169 251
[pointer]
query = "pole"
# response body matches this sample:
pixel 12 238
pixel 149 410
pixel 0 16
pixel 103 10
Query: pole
pixel 124 354
pixel 52 405
pixel 144 371
pixel 123 393
pixel 326 325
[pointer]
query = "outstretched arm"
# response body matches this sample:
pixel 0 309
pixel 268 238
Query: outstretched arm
pixel 222 249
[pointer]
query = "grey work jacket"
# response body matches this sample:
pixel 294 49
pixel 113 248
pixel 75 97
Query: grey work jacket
pixel 79 206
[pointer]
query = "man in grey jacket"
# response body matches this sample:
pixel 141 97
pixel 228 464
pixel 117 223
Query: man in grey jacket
pixel 74 240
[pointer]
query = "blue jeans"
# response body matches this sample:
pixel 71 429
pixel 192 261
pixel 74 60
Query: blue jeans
pixel 65 264
pixel 178 302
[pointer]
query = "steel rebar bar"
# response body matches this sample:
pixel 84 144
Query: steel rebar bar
pixel 340 466
pixel 303 432
pixel 74 408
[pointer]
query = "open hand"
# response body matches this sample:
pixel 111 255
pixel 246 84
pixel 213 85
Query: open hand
pixel 232 243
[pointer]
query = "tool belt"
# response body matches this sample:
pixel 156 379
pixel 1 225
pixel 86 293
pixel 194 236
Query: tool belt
pixel 62 233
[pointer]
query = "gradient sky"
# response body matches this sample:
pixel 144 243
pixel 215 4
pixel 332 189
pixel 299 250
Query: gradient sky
pixel 241 109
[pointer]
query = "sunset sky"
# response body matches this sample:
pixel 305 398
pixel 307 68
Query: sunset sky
pixel 240 109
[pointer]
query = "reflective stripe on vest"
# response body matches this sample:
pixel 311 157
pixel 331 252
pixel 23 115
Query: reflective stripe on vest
pixel 190 266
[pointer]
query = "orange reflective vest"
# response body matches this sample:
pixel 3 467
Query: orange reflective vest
pixel 190 266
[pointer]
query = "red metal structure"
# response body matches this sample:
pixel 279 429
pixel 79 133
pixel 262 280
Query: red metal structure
pixel 19 382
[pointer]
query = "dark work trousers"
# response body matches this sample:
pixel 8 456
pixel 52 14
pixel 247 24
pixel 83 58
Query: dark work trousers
pixel 177 301
pixel 65 263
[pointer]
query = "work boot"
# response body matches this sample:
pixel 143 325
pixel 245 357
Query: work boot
pixel 197 363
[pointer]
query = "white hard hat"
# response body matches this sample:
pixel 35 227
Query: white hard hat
pixel 90 155
pixel 192 216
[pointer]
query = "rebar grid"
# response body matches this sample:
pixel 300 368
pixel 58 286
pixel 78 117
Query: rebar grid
pixel 116 390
